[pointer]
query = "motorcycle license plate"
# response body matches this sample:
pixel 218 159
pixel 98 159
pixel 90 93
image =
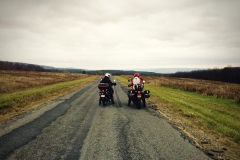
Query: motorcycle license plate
pixel 103 95
pixel 139 96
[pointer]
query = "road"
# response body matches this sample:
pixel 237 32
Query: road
pixel 76 127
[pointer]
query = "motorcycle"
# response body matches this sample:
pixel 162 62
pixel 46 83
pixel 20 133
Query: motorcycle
pixel 137 95
pixel 105 93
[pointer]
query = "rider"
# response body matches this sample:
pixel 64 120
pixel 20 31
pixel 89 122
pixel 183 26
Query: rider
pixel 137 80
pixel 106 79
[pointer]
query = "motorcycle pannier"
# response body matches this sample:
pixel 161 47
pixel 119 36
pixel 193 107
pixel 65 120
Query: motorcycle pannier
pixel 130 93
pixel 147 93
pixel 103 86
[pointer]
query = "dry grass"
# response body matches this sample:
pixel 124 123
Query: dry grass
pixel 22 91
pixel 12 81
pixel 221 90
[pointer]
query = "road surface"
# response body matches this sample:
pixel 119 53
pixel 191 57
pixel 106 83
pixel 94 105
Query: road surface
pixel 76 127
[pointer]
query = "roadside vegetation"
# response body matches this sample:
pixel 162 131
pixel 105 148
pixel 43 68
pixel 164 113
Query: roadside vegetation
pixel 210 107
pixel 21 91
pixel 221 90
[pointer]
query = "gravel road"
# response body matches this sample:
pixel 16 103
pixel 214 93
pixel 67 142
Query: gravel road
pixel 76 127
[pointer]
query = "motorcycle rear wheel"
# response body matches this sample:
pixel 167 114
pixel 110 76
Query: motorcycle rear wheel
pixel 104 102
pixel 138 103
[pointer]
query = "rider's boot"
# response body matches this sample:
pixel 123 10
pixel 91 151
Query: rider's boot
pixel 112 100
pixel 144 102
pixel 129 101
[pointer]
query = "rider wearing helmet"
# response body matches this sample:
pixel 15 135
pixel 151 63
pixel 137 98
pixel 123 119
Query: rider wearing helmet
pixel 106 79
pixel 137 80
pixel 136 74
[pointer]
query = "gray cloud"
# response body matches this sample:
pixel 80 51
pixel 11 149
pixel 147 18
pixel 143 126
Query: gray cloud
pixel 121 34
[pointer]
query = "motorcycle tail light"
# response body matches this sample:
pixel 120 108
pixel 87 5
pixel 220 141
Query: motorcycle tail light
pixel 139 96
pixel 102 90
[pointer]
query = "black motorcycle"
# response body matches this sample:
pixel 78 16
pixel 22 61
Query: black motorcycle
pixel 137 96
pixel 105 93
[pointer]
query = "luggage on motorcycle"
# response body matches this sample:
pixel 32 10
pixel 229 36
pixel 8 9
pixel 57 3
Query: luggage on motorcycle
pixel 131 93
pixel 103 86
pixel 146 93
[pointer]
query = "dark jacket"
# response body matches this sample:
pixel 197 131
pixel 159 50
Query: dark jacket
pixel 106 80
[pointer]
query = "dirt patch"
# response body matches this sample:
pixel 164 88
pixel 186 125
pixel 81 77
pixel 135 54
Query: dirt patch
pixel 214 145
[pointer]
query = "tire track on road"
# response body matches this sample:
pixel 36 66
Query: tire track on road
pixel 26 133
pixel 118 99
pixel 86 123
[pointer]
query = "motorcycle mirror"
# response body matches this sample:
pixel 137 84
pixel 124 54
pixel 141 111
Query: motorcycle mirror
pixel 143 81
pixel 129 80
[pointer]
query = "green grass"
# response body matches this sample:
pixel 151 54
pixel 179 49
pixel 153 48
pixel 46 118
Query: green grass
pixel 218 115
pixel 18 100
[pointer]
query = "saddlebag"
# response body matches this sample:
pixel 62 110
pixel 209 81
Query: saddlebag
pixel 131 93
pixel 146 93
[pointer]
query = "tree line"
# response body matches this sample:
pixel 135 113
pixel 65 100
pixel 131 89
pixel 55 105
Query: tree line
pixel 20 66
pixel 227 74
pixel 121 72
pixel 4 65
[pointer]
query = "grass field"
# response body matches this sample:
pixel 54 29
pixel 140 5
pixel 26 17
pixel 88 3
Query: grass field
pixel 21 91
pixel 217 89
pixel 216 115
pixel 208 106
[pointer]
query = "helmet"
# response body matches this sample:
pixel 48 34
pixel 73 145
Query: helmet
pixel 108 75
pixel 136 74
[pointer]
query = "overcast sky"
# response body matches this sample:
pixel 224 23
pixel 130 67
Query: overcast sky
pixel 121 34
